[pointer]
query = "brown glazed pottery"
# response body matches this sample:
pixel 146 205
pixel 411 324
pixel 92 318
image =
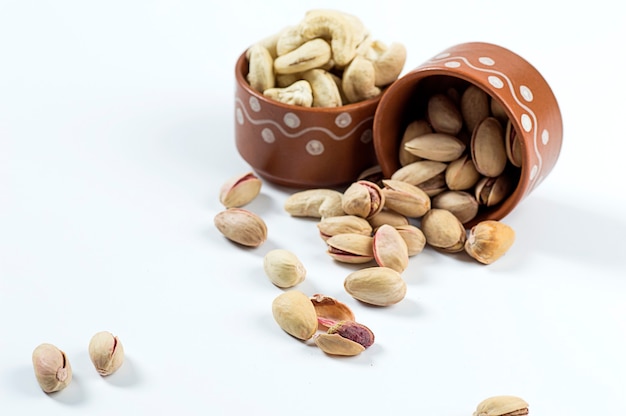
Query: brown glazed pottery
pixel 520 89
pixel 302 147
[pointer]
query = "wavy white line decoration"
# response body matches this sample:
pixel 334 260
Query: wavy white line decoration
pixel 241 112
pixel 528 121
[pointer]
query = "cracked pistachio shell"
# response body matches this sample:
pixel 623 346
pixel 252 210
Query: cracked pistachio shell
pixel 443 230
pixel 390 249
pixel 351 248
pixel 502 406
pixel 343 224
pixel 329 309
pixel 314 203
pixel 283 268
pixel 335 344
pixel 487 148
pixel 380 286
pixel 106 353
pixel 240 190
pixel 492 191
pixel 353 331
pixel 363 199
pixel 413 237
pixel 444 115
pixel 295 314
pixel 405 198
pixel 241 226
pixel 52 368
pixel 489 240
pixel 462 204
pixel 418 172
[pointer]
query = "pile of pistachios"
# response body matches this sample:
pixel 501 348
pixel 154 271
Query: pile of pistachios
pixel 463 151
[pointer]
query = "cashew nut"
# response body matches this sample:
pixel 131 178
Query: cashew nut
pixel 344 32
pixel 309 55
pixel 260 68
pixel 288 40
pixel 359 80
pixel 271 42
pixel 325 91
pixel 388 61
pixel 298 93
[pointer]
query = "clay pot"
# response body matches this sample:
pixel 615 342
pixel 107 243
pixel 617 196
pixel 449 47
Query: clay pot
pixel 519 88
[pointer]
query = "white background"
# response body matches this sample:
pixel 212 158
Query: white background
pixel 116 132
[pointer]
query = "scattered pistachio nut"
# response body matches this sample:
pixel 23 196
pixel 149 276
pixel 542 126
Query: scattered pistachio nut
pixel 475 106
pixel 502 406
pixel 363 199
pixel 52 368
pixel 443 114
pixel 283 268
pixel 414 129
pixel 390 249
pixel 489 240
pixel 353 331
pixel 241 226
pixel 387 216
pixel 351 248
pixel 462 204
pixel 413 237
pixel 344 224
pixel 439 147
pixel 295 314
pixel 488 151
pixel 404 198
pixel 106 353
pixel 240 190
pixel 380 286
pixel 443 230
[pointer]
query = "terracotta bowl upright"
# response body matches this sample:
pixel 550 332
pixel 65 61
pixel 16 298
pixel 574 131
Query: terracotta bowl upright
pixel 302 147
pixel 509 79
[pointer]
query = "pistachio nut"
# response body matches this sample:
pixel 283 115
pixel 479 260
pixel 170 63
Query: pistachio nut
pixel 461 174
pixel 295 314
pixel 435 185
pixel 513 145
pixel 283 268
pixel 335 344
pixel 489 240
pixel 492 191
pixel 387 216
pixel 413 129
pixel 487 148
pixel 404 198
pixel 344 224
pixel 390 249
pixel 380 286
pixel 462 204
pixel 444 115
pixel 351 248
pixel 443 230
pixel 498 111
pixel 106 353
pixel 418 172
pixel 439 147
pixel 413 237
pixel 330 311
pixel 363 199
pixel 241 226
pixel 314 203
pixel 502 406
pixel 372 174
pixel 240 190
pixel 474 106
pixel 52 368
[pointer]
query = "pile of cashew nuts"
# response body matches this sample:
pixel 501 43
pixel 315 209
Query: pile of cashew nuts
pixel 328 60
